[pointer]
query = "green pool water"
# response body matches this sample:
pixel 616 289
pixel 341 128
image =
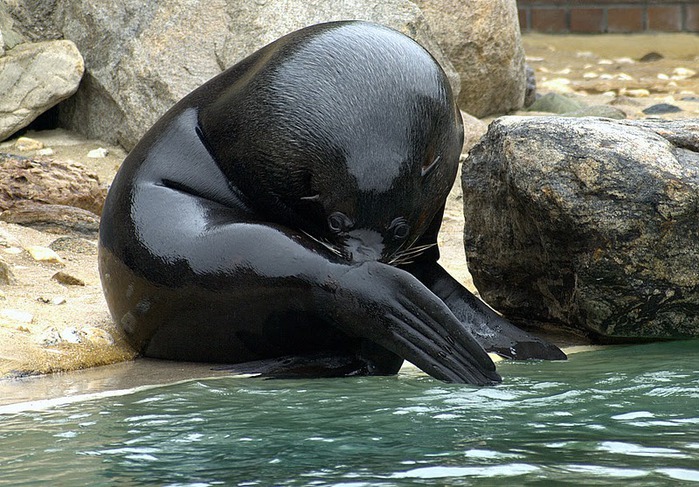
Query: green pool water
pixel 619 416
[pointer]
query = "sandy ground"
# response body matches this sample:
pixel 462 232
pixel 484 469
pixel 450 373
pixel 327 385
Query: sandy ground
pixel 38 336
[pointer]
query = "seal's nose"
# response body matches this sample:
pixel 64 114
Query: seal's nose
pixel 364 246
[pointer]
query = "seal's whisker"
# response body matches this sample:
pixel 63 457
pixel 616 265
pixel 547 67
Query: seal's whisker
pixel 325 244
pixel 408 256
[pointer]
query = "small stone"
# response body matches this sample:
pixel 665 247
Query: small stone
pixel 661 109
pixel 637 93
pixel 663 76
pixel 25 144
pixel 71 335
pixel 555 103
pixel 683 73
pixel 603 111
pixel 43 254
pixel 99 153
pixel 624 60
pixel 74 244
pixel 16 316
pixel 6 275
pixel 590 75
pixel 48 151
pixel 67 279
pixel 650 57
pixel 50 337
pixel 56 301
pixel 8 240
pixel 560 85
pixel 624 100
pixel 13 250
pixel 605 61
pixel 97 336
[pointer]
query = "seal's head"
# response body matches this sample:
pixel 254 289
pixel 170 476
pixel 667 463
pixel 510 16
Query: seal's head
pixel 353 135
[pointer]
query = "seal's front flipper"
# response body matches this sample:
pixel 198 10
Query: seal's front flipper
pixel 492 331
pixel 394 310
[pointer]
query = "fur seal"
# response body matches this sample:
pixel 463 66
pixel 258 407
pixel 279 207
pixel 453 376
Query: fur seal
pixel 287 210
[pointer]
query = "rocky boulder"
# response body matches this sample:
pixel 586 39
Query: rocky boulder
pixel 482 40
pixel 33 78
pixel 588 223
pixel 142 57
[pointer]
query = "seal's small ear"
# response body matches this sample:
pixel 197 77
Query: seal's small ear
pixel 428 166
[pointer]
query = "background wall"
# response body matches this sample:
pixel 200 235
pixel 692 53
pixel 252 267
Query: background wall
pixel 612 16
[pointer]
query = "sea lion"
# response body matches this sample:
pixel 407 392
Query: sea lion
pixel 288 210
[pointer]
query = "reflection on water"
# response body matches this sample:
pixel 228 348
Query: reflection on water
pixel 626 414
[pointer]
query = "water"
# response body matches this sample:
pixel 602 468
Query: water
pixel 620 415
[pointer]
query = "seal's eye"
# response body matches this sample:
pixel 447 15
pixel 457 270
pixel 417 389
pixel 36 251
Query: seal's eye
pixel 339 222
pixel 400 228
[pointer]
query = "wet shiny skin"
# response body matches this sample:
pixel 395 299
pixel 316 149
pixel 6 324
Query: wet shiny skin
pixel 290 207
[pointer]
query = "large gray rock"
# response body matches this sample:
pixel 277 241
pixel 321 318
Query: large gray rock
pixel 9 38
pixel 589 223
pixel 33 78
pixel 142 57
pixel 482 40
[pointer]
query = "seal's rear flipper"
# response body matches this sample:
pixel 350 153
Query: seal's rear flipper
pixel 493 332
pixel 318 365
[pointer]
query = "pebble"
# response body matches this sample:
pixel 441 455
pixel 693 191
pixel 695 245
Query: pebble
pixel 663 76
pixel 624 60
pixel 682 73
pixel 605 61
pixel 45 152
pixel 661 109
pixel 56 301
pixel 74 244
pixel 25 144
pixel 7 277
pixel 43 254
pixel 49 337
pixel 16 315
pixel 91 335
pixel 636 93
pixel 560 85
pixel 97 336
pixel 67 279
pixel 590 75
pixel 71 335
pixel 8 240
pixel 651 56
pixel 99 153
pixel 555 103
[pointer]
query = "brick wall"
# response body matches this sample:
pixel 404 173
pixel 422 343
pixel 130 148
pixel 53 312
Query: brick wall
pixel 613 16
